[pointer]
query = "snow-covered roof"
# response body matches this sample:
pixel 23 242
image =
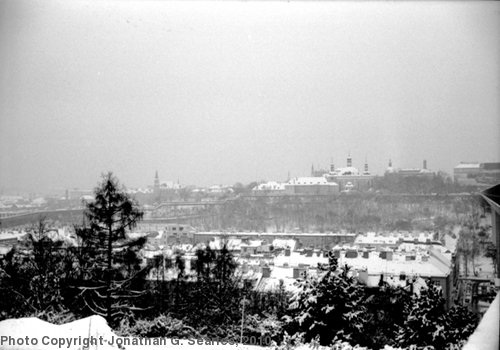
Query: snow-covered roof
pixel 253 243
pixel 375 265
pixel 372 239
pixel 270 185
pixel 39 201
pixel 136 235
pixel 139 190
pixel 273 234
pixel 5 249
pixel 409 170
pixel 295 258
pixel 284 243
pixel 346 171
pixel 170 185
pixel 393 237
pixel 310 181
pixel 468 166
pixel 421 264
pixel 11 234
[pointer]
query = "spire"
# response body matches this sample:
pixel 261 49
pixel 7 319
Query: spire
pixel 366 166
pixel 425 164
pixel 157 180
pixel 312 169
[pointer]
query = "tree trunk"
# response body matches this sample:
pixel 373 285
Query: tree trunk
pixel 108 287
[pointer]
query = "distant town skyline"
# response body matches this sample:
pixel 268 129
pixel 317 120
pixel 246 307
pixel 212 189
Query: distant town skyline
pixel 150 184
pixel 224 92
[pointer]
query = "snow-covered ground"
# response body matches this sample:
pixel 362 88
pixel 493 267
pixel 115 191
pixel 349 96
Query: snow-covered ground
pixel 35 334
pixel 92 333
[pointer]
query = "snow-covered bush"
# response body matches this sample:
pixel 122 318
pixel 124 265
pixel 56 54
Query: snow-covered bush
pixel 328 306
pixel 161 326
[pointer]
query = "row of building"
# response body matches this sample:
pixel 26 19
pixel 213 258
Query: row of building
pixel 335 180
pixel 349 178
pixel 475 173
pixel 267 260
pixel 184 234
pixel 324 182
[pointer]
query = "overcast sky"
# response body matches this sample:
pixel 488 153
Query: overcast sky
pixel 220 92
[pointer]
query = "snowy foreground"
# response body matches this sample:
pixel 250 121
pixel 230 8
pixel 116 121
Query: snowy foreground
pixel 91 333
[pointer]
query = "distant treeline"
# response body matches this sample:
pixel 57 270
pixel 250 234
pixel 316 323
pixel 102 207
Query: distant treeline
pixel 351 211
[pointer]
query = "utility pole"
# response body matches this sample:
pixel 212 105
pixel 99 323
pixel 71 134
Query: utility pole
pixel 243 302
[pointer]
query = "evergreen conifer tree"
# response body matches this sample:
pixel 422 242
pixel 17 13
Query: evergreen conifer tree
pixel 109 258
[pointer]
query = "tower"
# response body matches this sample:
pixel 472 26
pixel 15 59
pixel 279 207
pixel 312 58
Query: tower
pixel 390 163
pixel 366 172
pixel 349 160
pixel 156 187
pixel 157 181
pixel 425 164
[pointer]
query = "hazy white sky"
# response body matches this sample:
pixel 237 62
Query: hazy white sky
pixel 220 92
